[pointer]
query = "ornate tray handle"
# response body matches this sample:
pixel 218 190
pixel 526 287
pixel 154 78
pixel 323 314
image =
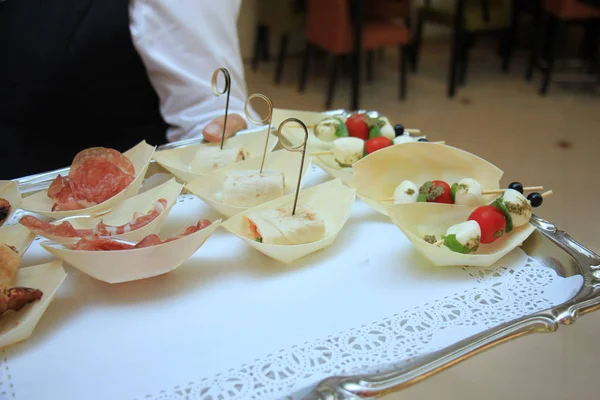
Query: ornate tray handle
pixel 412 371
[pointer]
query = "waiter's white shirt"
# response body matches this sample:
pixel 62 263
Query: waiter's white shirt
pixel 181 43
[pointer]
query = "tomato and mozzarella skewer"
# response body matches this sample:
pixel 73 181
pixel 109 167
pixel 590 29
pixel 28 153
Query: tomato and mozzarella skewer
pixel 406 192
pixel 468 192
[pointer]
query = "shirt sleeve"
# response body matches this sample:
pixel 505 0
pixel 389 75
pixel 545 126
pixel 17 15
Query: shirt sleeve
pixel 181 43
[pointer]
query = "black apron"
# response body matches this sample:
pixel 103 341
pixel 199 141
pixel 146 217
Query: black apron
pixel 70 78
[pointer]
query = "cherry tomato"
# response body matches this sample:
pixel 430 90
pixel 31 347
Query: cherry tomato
pixel 357 126
pixel 377 143
pixel 491 221
pixel 439 192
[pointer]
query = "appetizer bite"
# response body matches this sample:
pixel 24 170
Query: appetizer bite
pixel 115 260
pixel 236 188
pixel 488 223
pixel 13 298
pixel 133 219
pixel 280 226
pixel 197 159
pixel 10 199
pixel 4 210
pixel 424 172
pixel 99 178
pixel 270 228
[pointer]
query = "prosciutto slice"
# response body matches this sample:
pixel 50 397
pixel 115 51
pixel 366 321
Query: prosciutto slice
pixel 96 243
pixel 65 229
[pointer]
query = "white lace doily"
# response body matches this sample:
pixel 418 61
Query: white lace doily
pixel 504 295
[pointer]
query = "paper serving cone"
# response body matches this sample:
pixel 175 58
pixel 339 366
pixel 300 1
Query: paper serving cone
pixel 130 265
pixel 16 236
pixel 416 220
pixel 16 326
pixel 123 212
pixel 376 176
pixel 178 161
pixel 9 190
pixel 332 201
pixel 209 187
pixel 140 156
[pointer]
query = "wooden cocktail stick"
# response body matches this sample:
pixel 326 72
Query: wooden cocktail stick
pixel 439 243
pixel 525 189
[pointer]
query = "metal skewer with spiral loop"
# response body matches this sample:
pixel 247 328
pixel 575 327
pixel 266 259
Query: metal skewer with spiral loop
pixel 301 148
pixel 226 90
pixel 266 120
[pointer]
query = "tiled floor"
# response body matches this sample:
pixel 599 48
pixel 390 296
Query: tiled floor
pixel 552 141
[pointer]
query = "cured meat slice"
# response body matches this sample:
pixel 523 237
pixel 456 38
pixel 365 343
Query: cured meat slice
pixel 15 298
pixel 96 175
pixel 4 210
pixel 137 222
pixel 65 229
pixel 111 155
pixel 97 180
pixel 97 243
pixel 100 244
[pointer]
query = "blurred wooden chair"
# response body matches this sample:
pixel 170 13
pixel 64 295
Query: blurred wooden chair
pixel 467 18
pixel 551 26
pixel 277 17
pixel 328 27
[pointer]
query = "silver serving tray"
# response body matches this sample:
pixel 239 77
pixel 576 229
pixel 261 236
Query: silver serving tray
pixel 548 245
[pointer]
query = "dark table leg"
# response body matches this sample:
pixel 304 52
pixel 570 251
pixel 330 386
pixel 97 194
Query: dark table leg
pixel 358 9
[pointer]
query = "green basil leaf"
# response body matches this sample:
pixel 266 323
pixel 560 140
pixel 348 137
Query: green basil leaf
pixel 422 198
pixel 259 240
pixel 374 132
pixel 453 191
pixel 499 204
pixel 342 130
pixel 454 245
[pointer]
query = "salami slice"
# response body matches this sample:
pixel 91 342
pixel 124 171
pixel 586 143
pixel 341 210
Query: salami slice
pixel 96 175
pixel 138 221
pixel 150 240
pixel 110 155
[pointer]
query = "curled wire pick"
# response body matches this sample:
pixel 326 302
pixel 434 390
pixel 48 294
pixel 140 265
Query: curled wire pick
pixel 266 120
pixel 226 89
pixel 301 148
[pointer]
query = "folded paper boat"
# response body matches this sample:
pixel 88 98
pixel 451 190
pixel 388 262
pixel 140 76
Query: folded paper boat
pixel 140 157
pixel 178 161
pixel 416 220
pixel 128 265
pixel 331 200
pixel 376 176
pixel 209 186
pixel 16 326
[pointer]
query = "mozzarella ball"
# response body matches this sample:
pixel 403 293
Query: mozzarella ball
pixel 404 139
pixel 517 205
pixel 406 192
pixel 387 130
pixel 326 129
pixel 467 233
pixel 468 193
pixel 348 150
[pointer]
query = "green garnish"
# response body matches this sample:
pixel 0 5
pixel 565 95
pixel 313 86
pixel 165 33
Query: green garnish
pixel 499 204
pixel 431 239
pixel 453 191
pixel 259 240
pixel 342 130
pixel 422 198
pixel 374 132
pixel 454 245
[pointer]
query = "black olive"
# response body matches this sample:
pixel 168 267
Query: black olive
pixel 518 186
pixel 423 140
pixel 535 199
pixel 399 130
